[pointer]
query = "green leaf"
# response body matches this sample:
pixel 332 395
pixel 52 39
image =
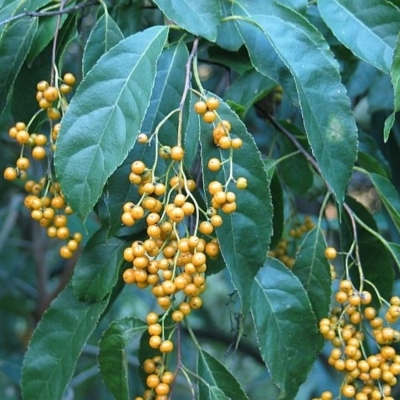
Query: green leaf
pixel 15 40
pixel 249 88
pixel 313 270
pixel 243 253
pixel 45 32
pixel 200 17
pixel 104 35
pixel 228 37
pixel 215 376
pixel 118 190
pixel 286 326
pixel 372 252
pixel 213 393
pixel 297 5
pixel 395 77
pixel 369 31
pixel 331 131
pixel 24 104
pixel 278 207
pixel 394 250
pixel 191 137
pixel 294 170
pixel 56 344
pixel 238 61
pixel 112 357
pixel 388 195
pixel 97 270
pixel 104 117
pixel 370 157
pixel 167 93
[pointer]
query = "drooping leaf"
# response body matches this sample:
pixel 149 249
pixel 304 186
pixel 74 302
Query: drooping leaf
pixel 238 61
pixel 297 5
pixel 104 117
pixel 24 104
pixel 201 18
pixel 282 315
pixel 294 170
pixel 388 195
pixel 267 62
pixel 66 35
pixel 331 131
pixel 369 31
pixel 15 40
pixel 167 93
pixel 166 96
pixel 104 35
pixel 313 271
pixel 98 267
pixel 248 88
pixel 215 375
pixel 214 393
pixel 370 157
pixel 395 77
pixel 243 253
pixel 278 207
pixel 44 34
pixel 191 137
pixel 112 356
pixel 228 37
pixel 56 344
pixel 394 250
pixel 119 190
pixel 372 252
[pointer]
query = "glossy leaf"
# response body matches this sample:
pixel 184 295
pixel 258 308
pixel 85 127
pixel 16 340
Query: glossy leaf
pixel 372 252
pixel 313 271
pixel 97 270
pixel 56 344
pixel 104 117
pixel 369 31
pixel 282 316
pixel 395 77
pixel 104 35
pixel 388 195
pixel 331 130
pixel 244 254
pixel 201 18
pixel 112 357
pixel 215 376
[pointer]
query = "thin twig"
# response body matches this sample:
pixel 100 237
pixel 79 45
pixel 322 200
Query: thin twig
pixel 31 14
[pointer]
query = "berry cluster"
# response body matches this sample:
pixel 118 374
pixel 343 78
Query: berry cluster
pixel 172 259
pixel 367 375
pixel 286 248
pixel 44 199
